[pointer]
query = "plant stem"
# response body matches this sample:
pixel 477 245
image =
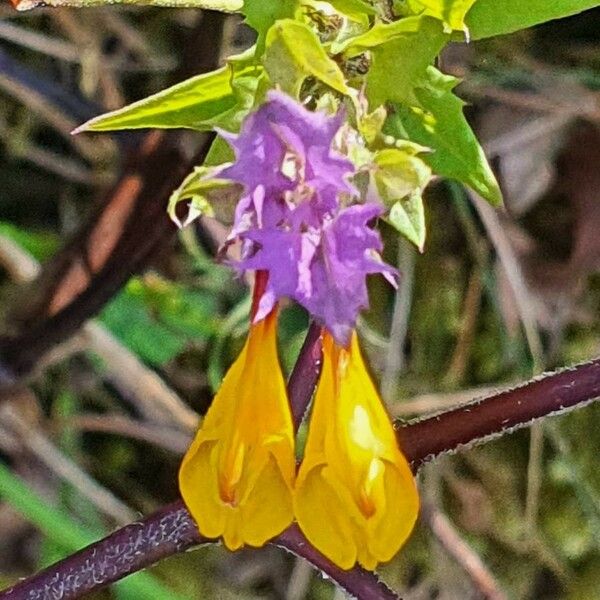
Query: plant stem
pixel 171 530
pixel 505 412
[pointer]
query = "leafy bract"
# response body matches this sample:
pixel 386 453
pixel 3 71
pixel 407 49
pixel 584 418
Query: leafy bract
pixel 205 194
pixel 353 8
pixel 493 17
pixel 408 217
pixel 400 177
pixel 451 12
pixel 438 122
pixel 401 53
pixel 196 103
pixel 294 53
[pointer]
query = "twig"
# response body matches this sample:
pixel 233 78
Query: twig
pixel 525 307
pixel 171 529
pixel 156 399
pixel 170 439
pixel 514 274
pixel 394 359
pixel 512 409
pixel 425 404
pixel 307 369
pixel 464 555
pixel 460 356
pixel 45 451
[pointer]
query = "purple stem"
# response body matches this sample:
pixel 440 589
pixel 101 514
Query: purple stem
pixel 507 411
pixel 171 530
pixel 304 377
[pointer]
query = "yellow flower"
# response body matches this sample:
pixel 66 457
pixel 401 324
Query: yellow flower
pixel 355 497
pixel 237 476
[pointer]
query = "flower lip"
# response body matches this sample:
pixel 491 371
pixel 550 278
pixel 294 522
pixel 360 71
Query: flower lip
pixel 355 497
pixel 237 476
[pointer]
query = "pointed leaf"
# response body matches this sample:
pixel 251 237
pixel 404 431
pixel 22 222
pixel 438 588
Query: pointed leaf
pixel 196 103
pixel 439 123
pixel 408 217
pixel 400 57
pixel 451 12
pixel 261 15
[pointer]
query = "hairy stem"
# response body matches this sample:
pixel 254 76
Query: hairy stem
pixel 483 419
pixel 171 530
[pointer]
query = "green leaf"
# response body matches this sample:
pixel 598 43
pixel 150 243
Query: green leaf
pixel 401 53
pixel 439 123
pixel 294 53
pixel 40 244
pixel 156 318
pixel 408 217
pixel 128 319
pixel 380 34
pixel 261 15
pixel 222 5
pixel 400 177
pixel 399 172
pixel 451 12
pixel 494 17
pixel 196 103
pixel 196 188
pixel 353 8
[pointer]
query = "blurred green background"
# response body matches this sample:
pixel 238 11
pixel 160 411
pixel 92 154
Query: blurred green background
pixel 496 298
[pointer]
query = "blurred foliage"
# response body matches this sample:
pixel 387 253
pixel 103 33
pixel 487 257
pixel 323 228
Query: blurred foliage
pixel 187 317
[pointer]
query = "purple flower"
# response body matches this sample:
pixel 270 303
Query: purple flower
pixel 284 160
pixel 323 269
pixel 290 218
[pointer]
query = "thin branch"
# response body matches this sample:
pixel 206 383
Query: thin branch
pixel 307 369
pixel 462 553
pixel 160 435
pixel 511 409
pixel 171 530
pixel 49 455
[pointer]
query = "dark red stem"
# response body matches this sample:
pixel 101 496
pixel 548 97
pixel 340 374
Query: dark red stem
pixel 303 380
pixel 170 530
pixel 512 409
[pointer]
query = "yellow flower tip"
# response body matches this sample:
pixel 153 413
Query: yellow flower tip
pixel 237 476
pixel 355 497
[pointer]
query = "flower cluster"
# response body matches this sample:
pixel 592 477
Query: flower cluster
pixel 353 496
pixel 291 220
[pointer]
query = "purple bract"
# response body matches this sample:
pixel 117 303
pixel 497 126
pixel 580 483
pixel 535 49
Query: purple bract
pixel 291 219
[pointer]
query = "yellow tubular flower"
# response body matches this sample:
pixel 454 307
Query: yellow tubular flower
pixel 237 476
pixel 355 498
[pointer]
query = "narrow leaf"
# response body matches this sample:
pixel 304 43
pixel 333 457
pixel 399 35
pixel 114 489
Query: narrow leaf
pixel 408 217
pixel 193 104
pixel 401 63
